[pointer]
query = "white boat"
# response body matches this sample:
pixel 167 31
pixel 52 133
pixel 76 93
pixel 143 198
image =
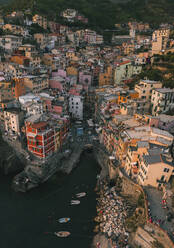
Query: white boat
pixel 75 202
pixel 82 194
pixel 63 220
pixel 62 234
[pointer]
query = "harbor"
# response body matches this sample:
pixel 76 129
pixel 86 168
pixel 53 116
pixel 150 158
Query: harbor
pixel 36 213
pixel 37 171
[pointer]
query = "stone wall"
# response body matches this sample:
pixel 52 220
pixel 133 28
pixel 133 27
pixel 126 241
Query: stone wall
pixel 102 159
pixel 128 186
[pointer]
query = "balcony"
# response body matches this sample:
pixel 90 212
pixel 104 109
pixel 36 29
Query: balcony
pixel 162 181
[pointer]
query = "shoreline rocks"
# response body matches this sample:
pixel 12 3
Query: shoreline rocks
pixel 32 175
pixel 110 219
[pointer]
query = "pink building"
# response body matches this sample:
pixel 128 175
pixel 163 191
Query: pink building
pixel 60 72
pixel 53 107
pixel 154 122
pixel 57 109
pixel 85 87
pixel 55 83
pixel 85 78
pixel 74 92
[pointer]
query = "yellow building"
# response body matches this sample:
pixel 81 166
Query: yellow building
pixel 41 39
pixel 145 87
pixel 132 158
pixel 155 170
pixel 140 132
pixel 128 48
pixel 12 120
pixel 5 91
pixel 57 138
pixel 36 83
pixel 106 78
pixel 71 70
pixel 15 29
pixel 159 40
pixel 41 21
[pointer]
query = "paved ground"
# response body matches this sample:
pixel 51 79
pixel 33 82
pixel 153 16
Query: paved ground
pixel 157 212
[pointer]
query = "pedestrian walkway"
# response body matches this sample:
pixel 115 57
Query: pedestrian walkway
pixel 158 210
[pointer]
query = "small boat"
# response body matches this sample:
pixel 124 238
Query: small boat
pixel 63 220
pixel 62 234
pixel 75 202
pixel 80 194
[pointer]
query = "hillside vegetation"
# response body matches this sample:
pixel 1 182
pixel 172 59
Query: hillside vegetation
pixel 103 13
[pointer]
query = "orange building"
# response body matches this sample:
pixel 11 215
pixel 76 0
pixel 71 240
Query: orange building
pixel 71 70
pixel 132 158
pixel 123 98
pixel 18 87
pixel 106 78
pixel 20 60
pixel 133 94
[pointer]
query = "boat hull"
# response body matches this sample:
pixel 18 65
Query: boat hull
pixel 80 194
pixel 75 202
pixel 62 234
pixel 63 220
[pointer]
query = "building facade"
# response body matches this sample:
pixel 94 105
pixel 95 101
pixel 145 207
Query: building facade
pixel 159 40
pixel 76 106
pixel 161 100
pixel 13 119
pixel 40 139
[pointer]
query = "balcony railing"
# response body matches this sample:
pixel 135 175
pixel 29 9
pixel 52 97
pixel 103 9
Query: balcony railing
pixel 161 181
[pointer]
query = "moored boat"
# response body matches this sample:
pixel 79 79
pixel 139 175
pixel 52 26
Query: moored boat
pixel 75 202
pixel 63 220
pixel 62 234
pixel 82 194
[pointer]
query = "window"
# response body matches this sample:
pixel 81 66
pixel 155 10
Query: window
pixel 162 178
pixel 166 170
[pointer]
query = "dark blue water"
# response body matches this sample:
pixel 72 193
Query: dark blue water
pixel 25 218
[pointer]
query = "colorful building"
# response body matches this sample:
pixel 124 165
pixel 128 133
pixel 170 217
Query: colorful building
pixel 18 87
pixel 40 138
